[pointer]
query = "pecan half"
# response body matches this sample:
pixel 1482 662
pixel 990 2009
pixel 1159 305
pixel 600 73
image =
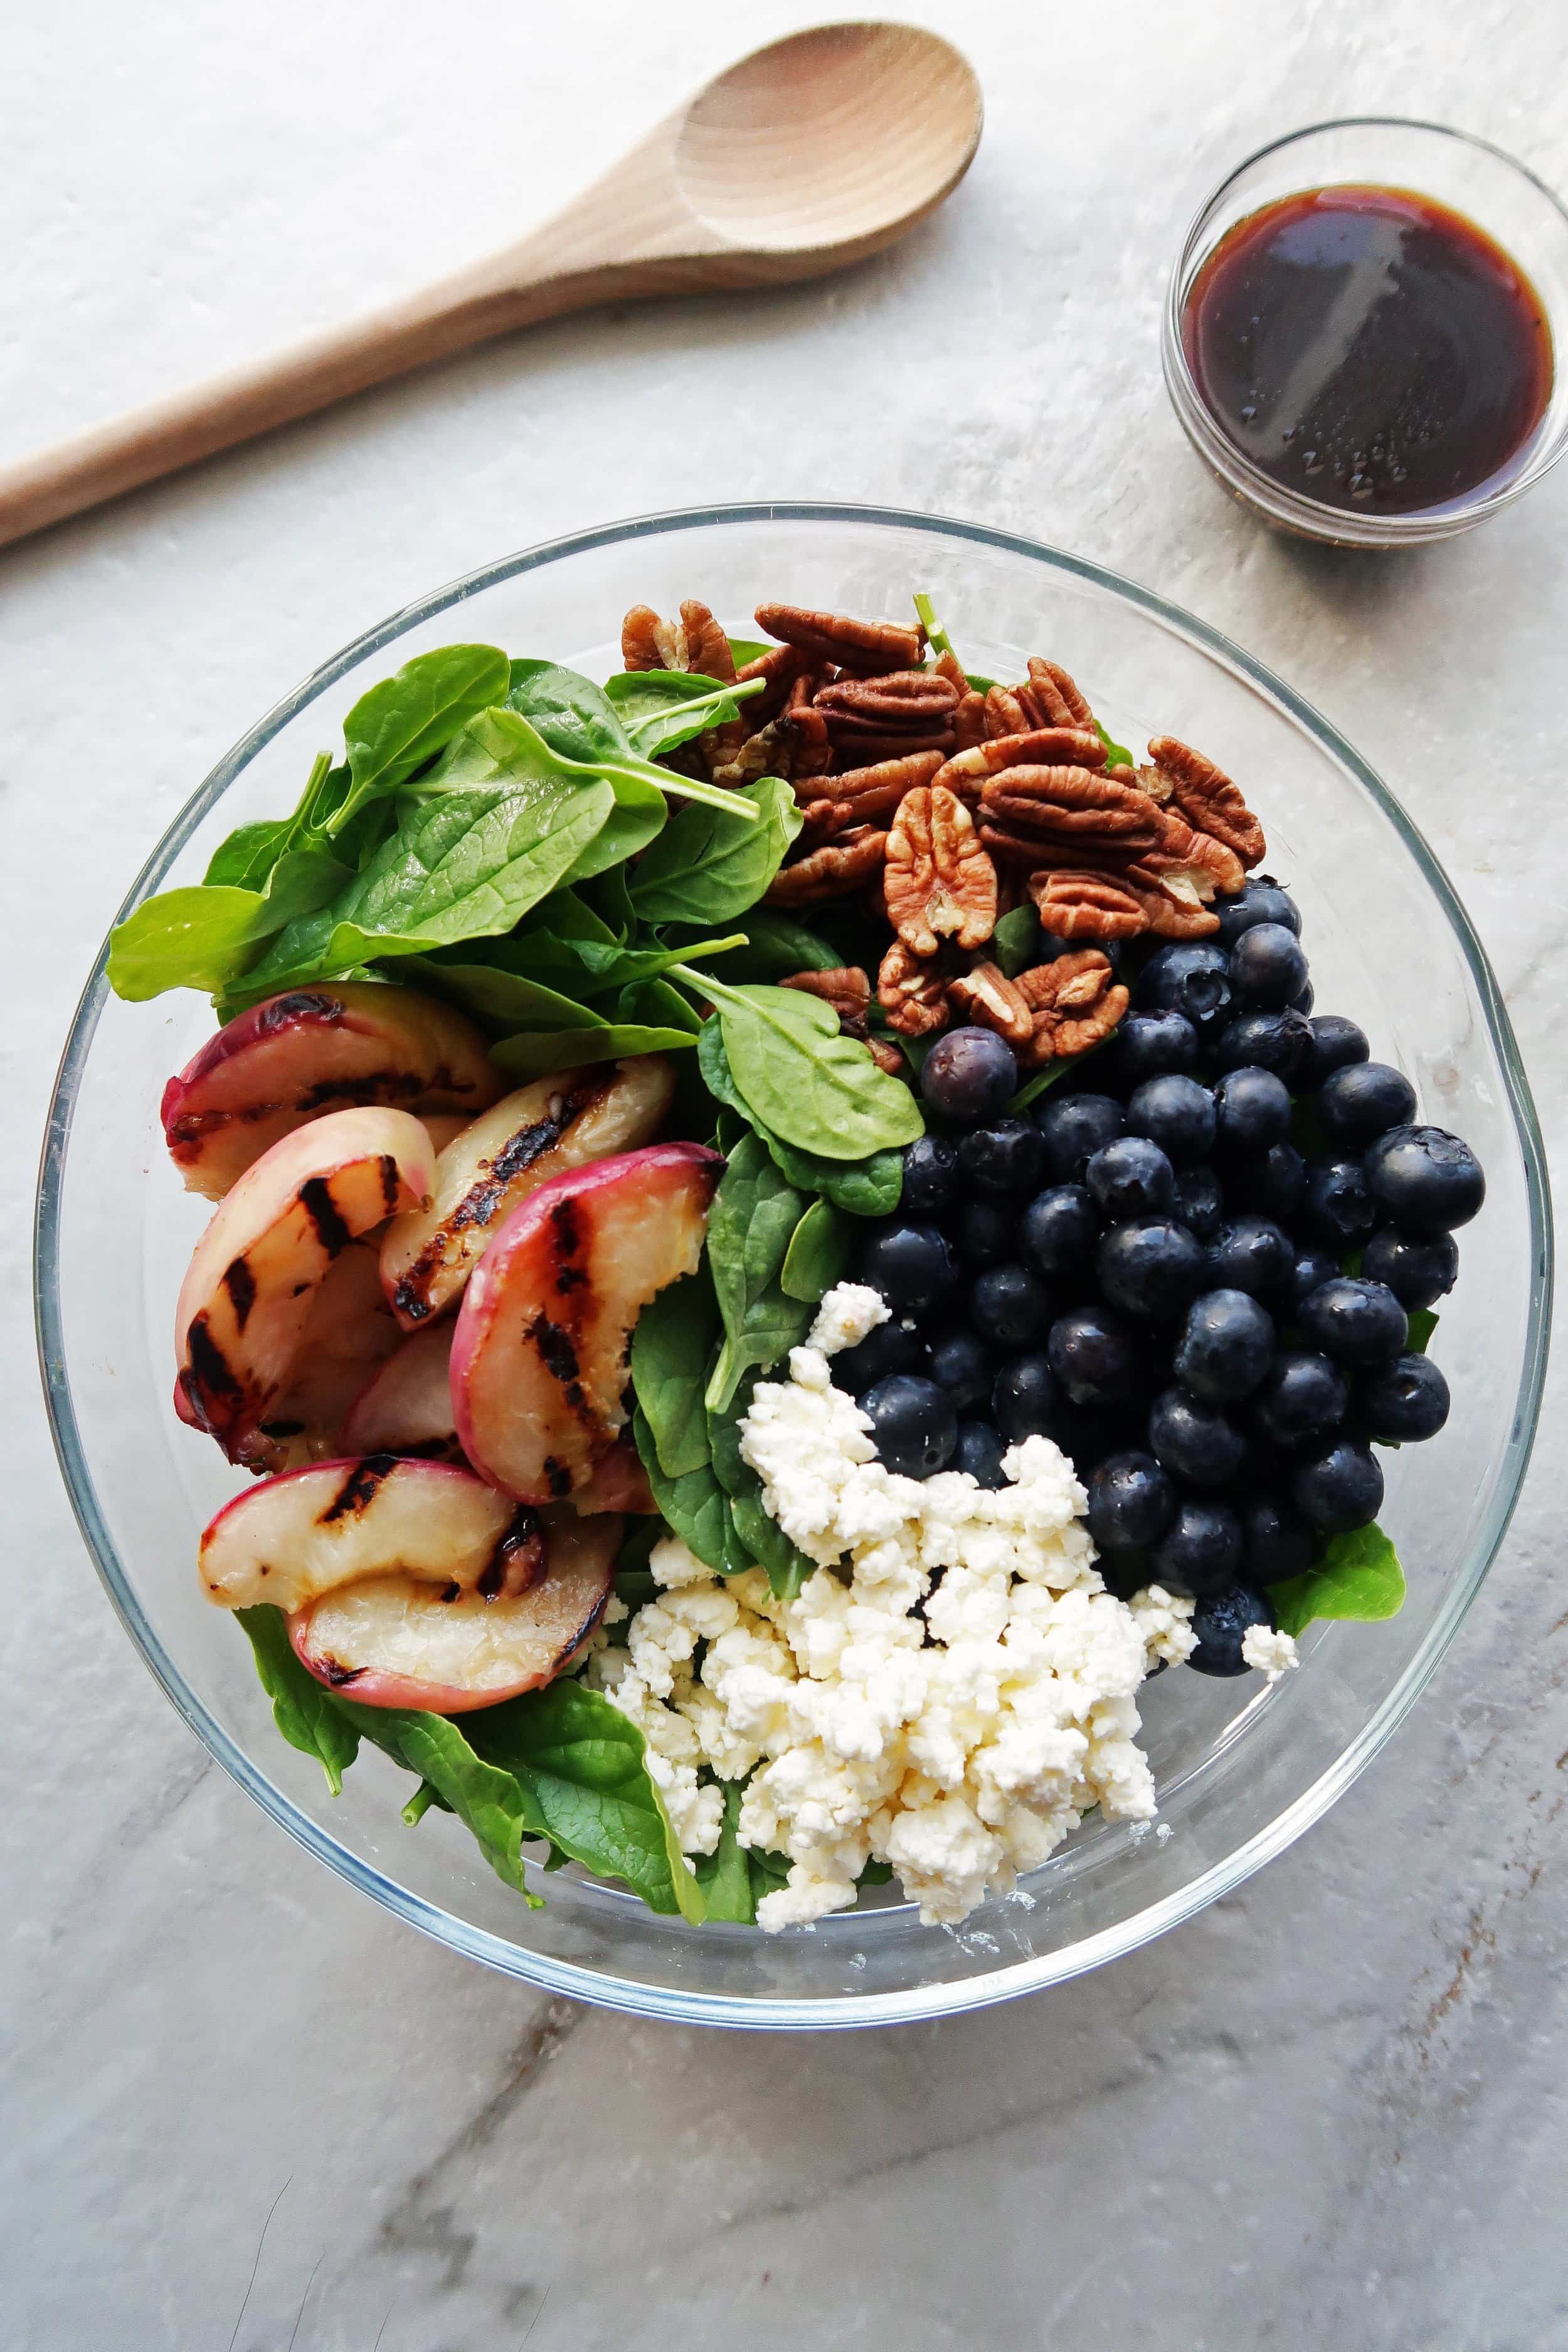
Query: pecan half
pixel 794 745
pixel 862 646
pixel 1076 906
pixel 834 871
pixel 872 718
pixel 695 643
pixel 969 721
pixel 1181 844
pixel 1176 895
pixel 846 988
pixel 779 669
pixel 912 991
pixel 1040 814
pixel 862 795
pixel 1207 798
pixel 1077 1000
pixel 1047 697
pixel 886 1055
pixel 940 883
pixel 947 665
pixel 986 997
pixel 1043 747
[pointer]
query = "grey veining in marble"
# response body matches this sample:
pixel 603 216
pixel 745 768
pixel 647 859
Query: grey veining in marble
pixel 243 2108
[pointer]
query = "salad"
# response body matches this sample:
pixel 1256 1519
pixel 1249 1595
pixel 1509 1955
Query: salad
pixel 785 1234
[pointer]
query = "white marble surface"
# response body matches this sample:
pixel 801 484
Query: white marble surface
pixel 243 2108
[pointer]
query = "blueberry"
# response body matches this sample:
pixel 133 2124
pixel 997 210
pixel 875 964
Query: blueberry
pixel 1280 1042
pixel 1195 1440
pixel 1313 1268
pixel 1222 1622
pixel 1262 901
pixel 1357 1102
pixel 1202 1551
pixel 1272 1185
pixel 1200 1202
pixel 1356 1322
pixel 1131 1503
pixel 1073 1127
pixel 1418 1273
pixel 1059 1229
pixel 1096 1356
pixel 1153 1046
pixel 1306 996
pixel 888 1349
pixel 1191 977
pixel 1004 1157
pixel 1133 1177
pixel 910 1265
pixel 1225 1347
pixel 1251 1255
pixel 985 1233
pixel 979 1451
pixel 1266 965
pixel 1009 1306
pixel 914 1425
pixel 1339 1488
pixel 962 1365
pixel 930 1177
pixel 1152 1266
pixel 1336 1043
pixel 1404 1403
pixel 1428 1180
pixel 1301 1396
pixel 1252 1110
pixel 1177 1113
pixel 1275 1542
pixel 1338 1207
pixel 970 1074
pixel 1026 1401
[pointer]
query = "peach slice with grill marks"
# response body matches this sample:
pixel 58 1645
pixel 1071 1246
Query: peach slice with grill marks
pixel 314 1051
pixel 559 1122
pixel 245 1301
pixel 539 1355
pixel 349 1332
pixel 395 1641
pixel 406 1407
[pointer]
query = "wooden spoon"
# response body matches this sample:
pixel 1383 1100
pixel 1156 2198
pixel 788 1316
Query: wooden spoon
pixel 808 155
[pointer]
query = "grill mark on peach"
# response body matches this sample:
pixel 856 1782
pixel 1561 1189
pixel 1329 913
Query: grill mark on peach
pixel 209 1379
pixel 303 1004
pixel 240 1285
pixel 557 1477
pixel 358 1489
pixel 518 1561
pixel 337 1674
pixel 316 1200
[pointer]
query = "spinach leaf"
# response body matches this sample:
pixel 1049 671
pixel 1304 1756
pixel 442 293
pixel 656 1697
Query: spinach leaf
pixel 1052 1071
pixel 579 722
pixel 769 1872
pixel 206 936
pixel 486 1797
pixel 503 999
pixel 813 1087
pixel 817 1255
pixel 639 816
pixel 753 1215
pixel 662 708
pixel 775 947
pixel 876 1873
pixel 867 1188
pixel 749 649
pixel 535 1053
pixel 711 863
pixel 392 730
pixel 760 1536
pixel 674 1336
pixel 303 1710
pixel 724 1876
pixel 1357 1577
pixel 1423 1323
pixel 1116 755
pixel 1015 942
pixel 695 1506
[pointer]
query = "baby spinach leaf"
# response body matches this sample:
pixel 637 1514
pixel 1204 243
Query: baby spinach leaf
pixel 817 1255
pixel 1357 1577
pixel 662 708
pixel 813 1087
pixel 303 1710
pixel 505 1001
pixel 774 948
pixel 206 936
pixel 713 864
pixel 486 1797
pixel 770 1872
pixel 744 650
pixel 1423 1323
pixel 694 1505
pixel 865 1188
pixel 655 1001
pixel 1015 942
pixel 672 1343
pixel 392 730
pixel 755 1212
pixel 639 816
pixel 580 723
pixel 535 1053
pixel 761 1537
pixel 1116 755
pixel 876 1873
pixel 724 1876
pixel 1037 1085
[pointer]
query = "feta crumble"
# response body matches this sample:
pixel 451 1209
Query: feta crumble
pixel 949 1694
pixel 1269 1653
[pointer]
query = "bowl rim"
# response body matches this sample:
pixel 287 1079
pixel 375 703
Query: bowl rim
pixel 849 2009
pixel 1314 518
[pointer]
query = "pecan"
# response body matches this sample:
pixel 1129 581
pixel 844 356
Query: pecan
pixel 794 745
pixel 695 643
pixel 878 718
pixel 834 871
pixel 1045 746
pixel 912 991
pixel 778 668
pixel 861 647
pixel 1077 1000
pixel 1177 893
pixel 1040 814
pixel 1047 697
pixel 1181 845
pixel 862 795
pixel 886 1056
pixel 986 997
pixel 969 721
pixel 1207 798
pixel 1076 906
pixel 947 665
pixel 846 988
pixel 940 883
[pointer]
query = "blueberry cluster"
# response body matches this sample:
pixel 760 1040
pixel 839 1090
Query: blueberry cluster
pixel 1153 1268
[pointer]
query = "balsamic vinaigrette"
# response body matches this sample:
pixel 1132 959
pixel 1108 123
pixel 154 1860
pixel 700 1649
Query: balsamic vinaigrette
pixel 1367 348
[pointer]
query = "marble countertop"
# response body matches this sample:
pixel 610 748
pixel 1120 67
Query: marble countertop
pixel 243 2108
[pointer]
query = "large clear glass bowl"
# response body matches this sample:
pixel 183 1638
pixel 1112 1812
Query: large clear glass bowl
pixel 1242 1768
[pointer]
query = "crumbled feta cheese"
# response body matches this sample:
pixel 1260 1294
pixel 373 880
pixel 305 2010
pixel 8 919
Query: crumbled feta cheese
pixel 950 1693
pixel 1269 1653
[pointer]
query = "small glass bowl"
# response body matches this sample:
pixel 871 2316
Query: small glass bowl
pixel 1242 1769
pixel 1468 174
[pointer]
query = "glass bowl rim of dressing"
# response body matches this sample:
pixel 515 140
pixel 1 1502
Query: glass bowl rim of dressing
pixel 1448 167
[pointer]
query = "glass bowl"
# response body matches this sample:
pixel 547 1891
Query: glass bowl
pixel 1243 1768
pixel 1470 176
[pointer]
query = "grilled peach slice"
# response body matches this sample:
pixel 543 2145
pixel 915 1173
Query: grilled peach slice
pixel 248 1293
pixel 293 1538
pixel 539 1355
pixel 617 1482
pixel 317 1050
pixel 559 1122
pixel 349 1333
pixel 393 1641
pixel 406 1407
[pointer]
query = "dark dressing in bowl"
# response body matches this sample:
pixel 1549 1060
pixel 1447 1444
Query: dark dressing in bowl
pixel 1369 349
